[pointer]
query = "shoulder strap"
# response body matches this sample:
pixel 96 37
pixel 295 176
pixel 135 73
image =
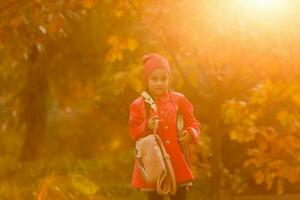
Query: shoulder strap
pixel 167 183
pixel 180 124
pixel 149 103
pixel 147 107
pixel 148 99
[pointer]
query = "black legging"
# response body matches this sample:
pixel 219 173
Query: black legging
pixel 180 195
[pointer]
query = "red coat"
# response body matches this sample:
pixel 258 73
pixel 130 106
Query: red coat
pixel 167 106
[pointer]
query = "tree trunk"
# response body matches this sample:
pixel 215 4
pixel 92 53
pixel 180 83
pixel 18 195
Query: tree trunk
pixel 34 113
pixel 216 154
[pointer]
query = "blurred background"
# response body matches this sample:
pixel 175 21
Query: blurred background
pixel 71 68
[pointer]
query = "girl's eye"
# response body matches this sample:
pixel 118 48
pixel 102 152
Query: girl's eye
pixel 153 78
pixel 164 78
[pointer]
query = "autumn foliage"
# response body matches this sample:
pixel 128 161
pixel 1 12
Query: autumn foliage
pixel 70 68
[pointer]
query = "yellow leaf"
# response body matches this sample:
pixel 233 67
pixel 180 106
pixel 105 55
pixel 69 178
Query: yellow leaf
pixel 262 144
pixel 15 22
pixel 118 13
pixel 118 46
pixel 115 144
pixel 84 185
pixel 88 3
pixel 112 40
pixel 250 162
pixel 259 177
pixel 285 118
pixel 233 135
pixel 132 44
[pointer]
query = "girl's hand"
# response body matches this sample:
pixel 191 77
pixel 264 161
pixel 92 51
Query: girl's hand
pixel 186 138
pixel 151 122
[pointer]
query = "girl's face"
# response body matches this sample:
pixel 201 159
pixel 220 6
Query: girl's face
pixel 158 82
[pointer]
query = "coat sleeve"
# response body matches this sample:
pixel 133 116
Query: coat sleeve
pixel 137 121
pixel 190 122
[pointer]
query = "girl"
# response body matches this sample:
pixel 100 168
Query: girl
pixel 141 123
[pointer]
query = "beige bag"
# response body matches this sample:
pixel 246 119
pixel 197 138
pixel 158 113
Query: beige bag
pixel 154 163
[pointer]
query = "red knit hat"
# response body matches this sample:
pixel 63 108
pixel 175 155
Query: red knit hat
pixel 153 61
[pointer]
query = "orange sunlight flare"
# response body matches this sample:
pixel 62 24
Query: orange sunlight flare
pixel 264 8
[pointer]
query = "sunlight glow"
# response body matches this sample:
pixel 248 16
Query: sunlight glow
pixel 267 4
pixel 264 6
pixel 264 13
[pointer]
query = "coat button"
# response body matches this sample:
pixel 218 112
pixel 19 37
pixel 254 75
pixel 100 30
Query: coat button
pixel 166 127
pixel 167 142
